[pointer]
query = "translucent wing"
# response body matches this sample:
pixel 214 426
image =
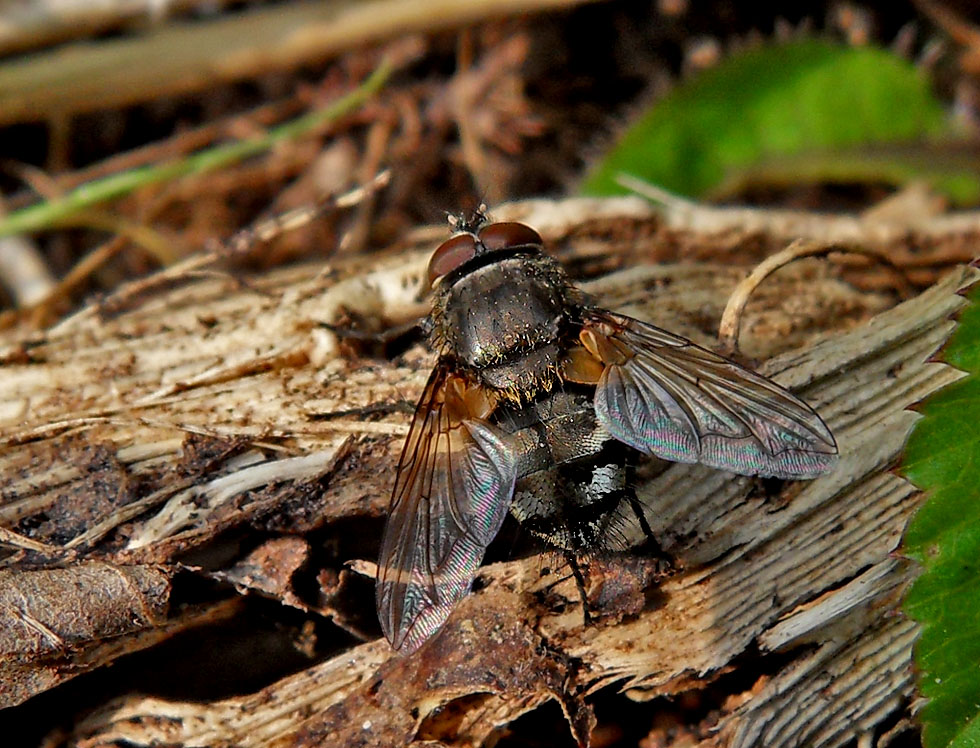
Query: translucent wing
pixel 662 394
pixel 454 486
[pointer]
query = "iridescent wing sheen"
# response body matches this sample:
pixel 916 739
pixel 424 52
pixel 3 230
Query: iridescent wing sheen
pixel 664 395
pixel 452 491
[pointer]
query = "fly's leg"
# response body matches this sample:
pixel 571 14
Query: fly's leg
pixel 652 546
pixel 362 337
pixel 572 560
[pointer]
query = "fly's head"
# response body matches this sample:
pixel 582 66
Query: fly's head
pixel 480 247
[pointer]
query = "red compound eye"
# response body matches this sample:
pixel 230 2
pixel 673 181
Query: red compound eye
pixel 504 235
pixel 450 255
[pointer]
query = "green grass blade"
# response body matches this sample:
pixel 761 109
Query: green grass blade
pixel 50 213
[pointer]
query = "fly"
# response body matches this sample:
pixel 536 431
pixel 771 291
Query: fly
pixel 538 405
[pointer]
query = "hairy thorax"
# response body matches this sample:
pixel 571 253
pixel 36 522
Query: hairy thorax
pixel 505 324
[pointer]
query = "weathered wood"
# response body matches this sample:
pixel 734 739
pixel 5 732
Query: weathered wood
pixel 135 437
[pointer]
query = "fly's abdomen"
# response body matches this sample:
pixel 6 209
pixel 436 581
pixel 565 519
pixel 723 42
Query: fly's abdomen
pixel 575 487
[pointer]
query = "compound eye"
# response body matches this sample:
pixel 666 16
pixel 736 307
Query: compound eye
pixel 505 235
pixel 450 255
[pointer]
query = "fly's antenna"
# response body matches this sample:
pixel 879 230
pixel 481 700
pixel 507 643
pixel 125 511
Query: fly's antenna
pixel 481 216
pixel 456 221
pixel 470 224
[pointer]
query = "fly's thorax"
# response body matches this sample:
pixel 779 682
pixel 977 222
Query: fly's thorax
pixel 505 321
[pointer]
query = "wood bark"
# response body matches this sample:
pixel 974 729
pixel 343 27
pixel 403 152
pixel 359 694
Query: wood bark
pixel 145 430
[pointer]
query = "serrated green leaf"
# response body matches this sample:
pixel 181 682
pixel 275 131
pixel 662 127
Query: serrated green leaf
pixel 810 97
pixel 943 459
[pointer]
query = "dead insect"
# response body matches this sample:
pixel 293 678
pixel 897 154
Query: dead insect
pixel 537 405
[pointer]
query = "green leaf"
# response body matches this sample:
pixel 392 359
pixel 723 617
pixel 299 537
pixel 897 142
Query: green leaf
pixel 810 97
pixel 943 459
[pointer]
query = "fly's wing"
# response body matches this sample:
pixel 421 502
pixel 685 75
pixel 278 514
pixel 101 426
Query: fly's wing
pixel 453 489
pixel 664 395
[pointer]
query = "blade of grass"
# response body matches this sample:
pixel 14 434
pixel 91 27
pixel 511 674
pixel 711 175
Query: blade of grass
pixel 50 213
